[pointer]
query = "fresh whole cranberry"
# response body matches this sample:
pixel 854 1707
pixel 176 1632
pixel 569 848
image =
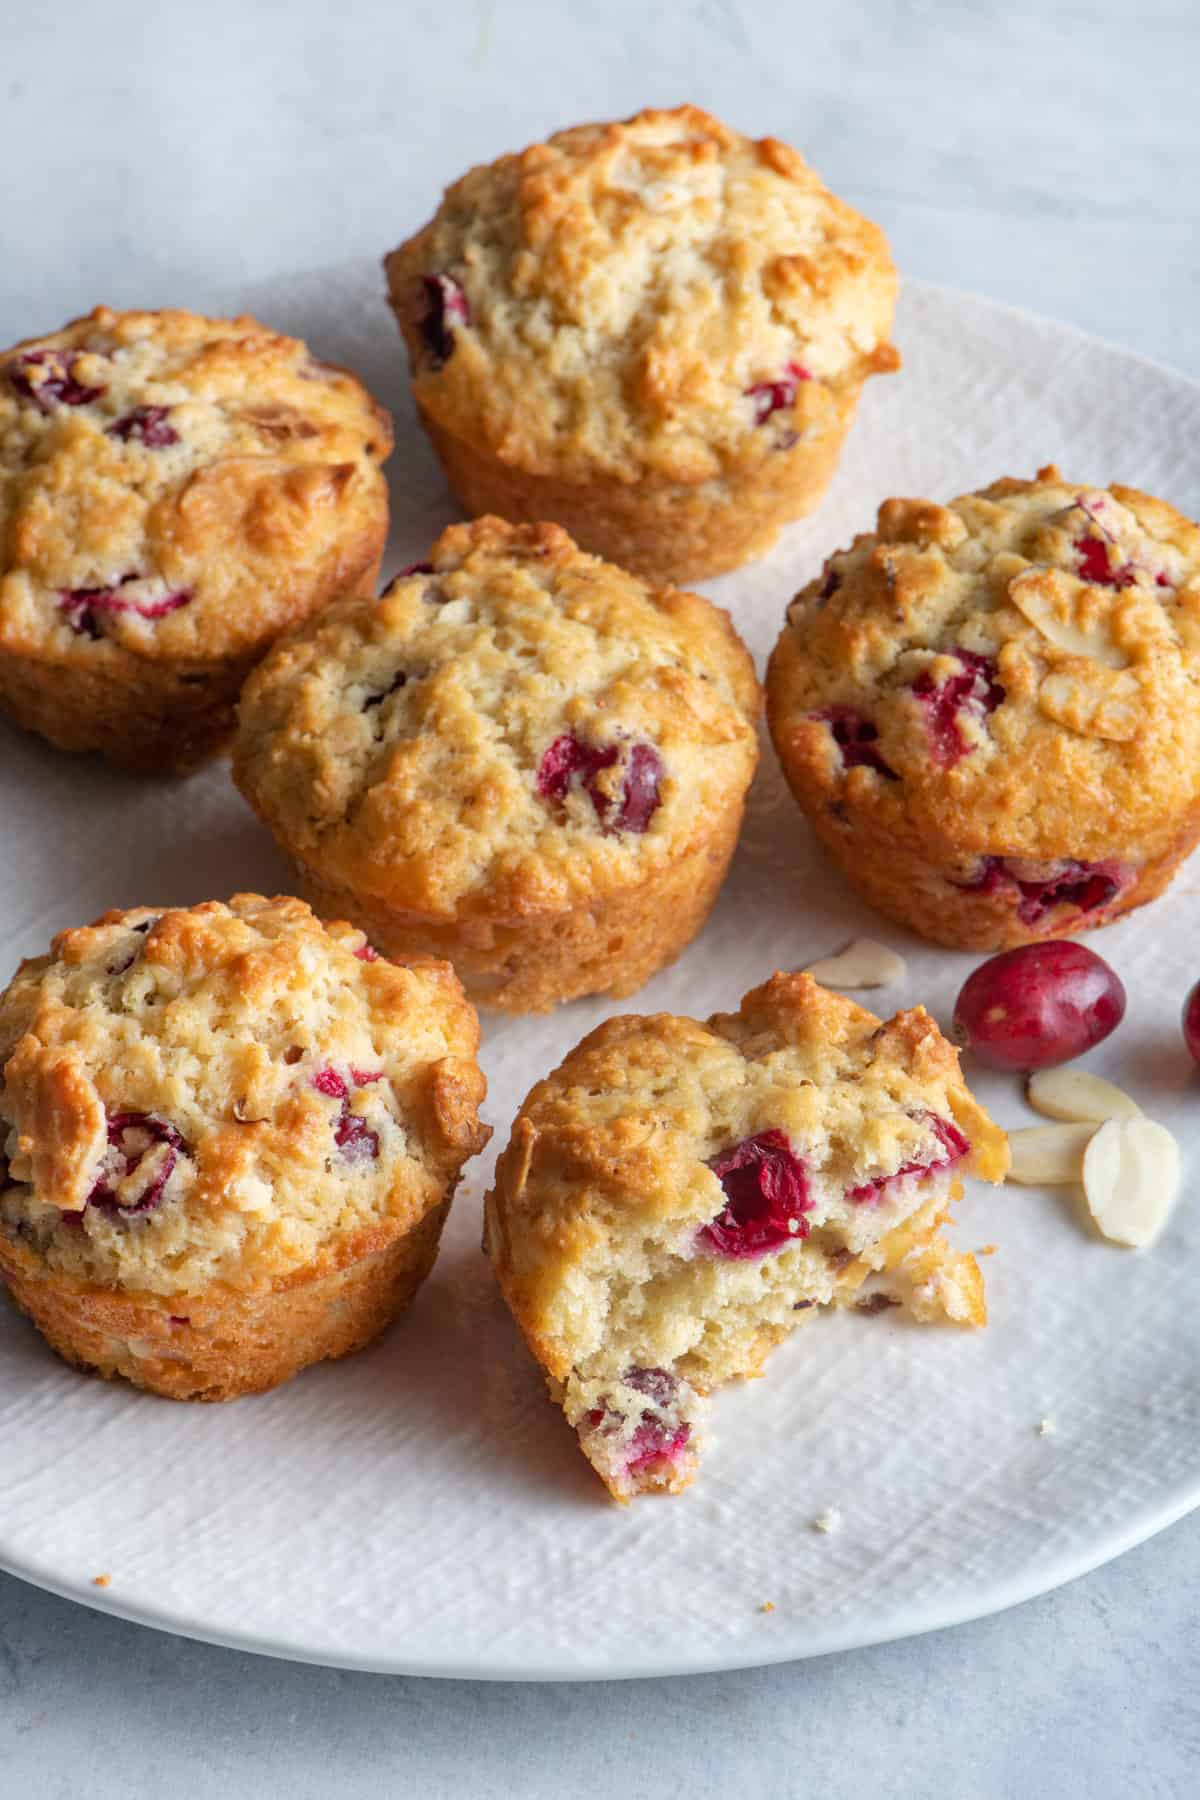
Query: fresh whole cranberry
pixel 772 396
pixel 568 758
pixel 857 738
pixel 766 1197
pixel 57 387
pixel 1191 1022
pixel 1038 1006
pixel 976 688
pixel 124 1132
pixel 954 1145
pixel 148 425
pixel 446 306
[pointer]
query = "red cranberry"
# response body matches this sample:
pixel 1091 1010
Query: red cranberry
pixel 330 1083
pixel 830 585
pixel 148 424
pixel 857 739
pixel 654 1441
pixel 57 386
pixel 1038 1006
pixel 569 757
pixel 352 1135
pixel 772 396
pixel 976 688
pixel 85 607
pixel 1095 564
pixel 120 1125
pixel 446 306
pixel 766 1197
pixel 953 1143
pixel 1085 886
pixel 658 1385
pixel 367 953
pixel 1191 1022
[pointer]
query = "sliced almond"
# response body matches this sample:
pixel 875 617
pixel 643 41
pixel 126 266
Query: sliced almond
pixel 1095 707
pixel 1130 1179
pixel 1067 614
pixel 862 964
pixel 1048 1155
pixel 1076 1095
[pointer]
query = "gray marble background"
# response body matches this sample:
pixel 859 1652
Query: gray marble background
pixel 1046 155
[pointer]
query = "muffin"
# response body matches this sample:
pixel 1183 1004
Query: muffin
pixel 654 332
pixel 520 758
pixel 232 1136
pixel 675 1198
pixel 987 711
pixel 174 492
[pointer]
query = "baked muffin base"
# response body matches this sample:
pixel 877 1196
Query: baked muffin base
pixel 529 965
pixel 220 1347
pixel 148 717
pixel 935 898
pixel 667 532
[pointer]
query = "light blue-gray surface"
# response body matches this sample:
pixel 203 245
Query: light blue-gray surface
pixel 1044 155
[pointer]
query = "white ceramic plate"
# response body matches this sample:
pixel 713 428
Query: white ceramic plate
pixel 421 1508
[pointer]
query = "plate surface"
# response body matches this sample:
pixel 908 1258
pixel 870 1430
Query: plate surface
pixel 420 1508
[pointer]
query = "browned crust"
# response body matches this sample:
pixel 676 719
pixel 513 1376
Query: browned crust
pixel 922 883
pixel 529 964
pixel 162 716
pixel 664 531
pixel 223 1345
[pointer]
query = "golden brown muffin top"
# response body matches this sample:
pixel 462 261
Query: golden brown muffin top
pixel 1014 673
pixel 169 483
pixel 226 1094
pixel 511 728
pixel 613 1175
pixel 659 295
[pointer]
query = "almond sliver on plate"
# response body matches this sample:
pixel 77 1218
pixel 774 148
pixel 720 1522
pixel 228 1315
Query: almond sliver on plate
pixel 1048 1155
pixel 1130 1179
pixel 1075 1094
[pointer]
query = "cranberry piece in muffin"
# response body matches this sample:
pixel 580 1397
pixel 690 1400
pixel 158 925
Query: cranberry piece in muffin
pixel 231 1141
pixel 677 1197
pixel 655 332
pixel 174 492
pixel 540 777
pixel 1027 660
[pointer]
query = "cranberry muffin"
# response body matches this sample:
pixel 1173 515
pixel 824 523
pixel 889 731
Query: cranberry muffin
pixel 655 332
pixel 519 758
pixel 232 1136
pixel 987 710
pixel 174 492
pixel 676 1197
